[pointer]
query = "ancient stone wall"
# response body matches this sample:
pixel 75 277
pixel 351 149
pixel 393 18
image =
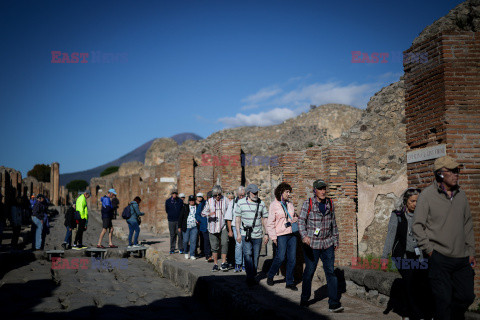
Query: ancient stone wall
pixel 443 111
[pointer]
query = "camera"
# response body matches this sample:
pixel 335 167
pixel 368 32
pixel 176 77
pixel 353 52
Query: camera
pixel 288 224
pixel 248 234
pixel 212 219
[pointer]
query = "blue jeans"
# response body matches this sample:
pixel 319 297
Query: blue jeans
pixel 133 227
pixel 311 261
pixel 286 245
pixel 238 249
pixel 190 236
pixel 68 237
pixel 251 252
pixel 38 232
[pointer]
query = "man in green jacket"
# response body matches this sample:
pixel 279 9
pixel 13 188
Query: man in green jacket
pixel 444 231
pixel 82 219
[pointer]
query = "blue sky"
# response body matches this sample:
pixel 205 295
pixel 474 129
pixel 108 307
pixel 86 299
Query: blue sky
pixel 184 66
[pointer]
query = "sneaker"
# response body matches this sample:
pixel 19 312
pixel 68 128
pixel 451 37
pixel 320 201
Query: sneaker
pixel 83 247
pixel 64 246
pixel 291 287
pixel 181 252
pixel 230 266
pixel 193 258
pixel 337 308
pixel 135 246
pixel 130 247
pixel 76 248
pixel 270 281
pixel 187 256
pixel 172 251
pixel 243 268
pixel 237 268
pixel 215 268
pixel 224 267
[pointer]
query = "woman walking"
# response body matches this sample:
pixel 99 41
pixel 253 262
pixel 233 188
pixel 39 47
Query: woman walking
pixel 134 222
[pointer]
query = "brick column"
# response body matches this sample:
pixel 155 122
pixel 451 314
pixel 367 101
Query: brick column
pixel 227 167
pixel 443 108
pixel 55 183
pixel 186 183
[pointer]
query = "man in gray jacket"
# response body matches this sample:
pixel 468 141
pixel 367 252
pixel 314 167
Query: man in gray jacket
pixel 444 231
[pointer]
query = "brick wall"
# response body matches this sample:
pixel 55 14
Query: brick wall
pixel 337 166
pixel 227 171
pixel 186 182
pixel 443 107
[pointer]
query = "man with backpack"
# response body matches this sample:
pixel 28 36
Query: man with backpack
pixel 70 224
pixel 173 207
pixel 107 216
pixel 250 213
pixel 319 233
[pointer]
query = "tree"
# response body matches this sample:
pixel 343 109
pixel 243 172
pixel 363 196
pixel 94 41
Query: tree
pixel 109 170
pixel 41 172
pixel 77 185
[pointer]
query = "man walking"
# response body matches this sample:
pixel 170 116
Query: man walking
pixel 107 216
pixel 319 233
pixel 250 212
pixel 443 228
pixel 215 209
pixel 173 207
pixel 82 219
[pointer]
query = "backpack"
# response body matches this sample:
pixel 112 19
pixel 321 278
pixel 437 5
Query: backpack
pixel 310 205
pixel 127 212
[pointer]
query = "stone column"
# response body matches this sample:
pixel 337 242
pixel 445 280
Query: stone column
pixel 54 183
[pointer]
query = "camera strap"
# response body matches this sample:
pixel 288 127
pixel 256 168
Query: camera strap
pixel 255 218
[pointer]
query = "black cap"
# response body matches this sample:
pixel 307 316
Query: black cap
pixel 191 198
pixel 40 196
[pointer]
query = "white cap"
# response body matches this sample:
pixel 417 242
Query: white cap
pixel 200 194
pixel 181 195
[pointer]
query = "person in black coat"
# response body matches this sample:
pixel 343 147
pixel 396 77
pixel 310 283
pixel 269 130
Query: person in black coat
pixel 70 224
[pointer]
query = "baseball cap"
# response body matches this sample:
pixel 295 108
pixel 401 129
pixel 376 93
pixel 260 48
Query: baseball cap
pixel 191 198
pixel 200 194
pixel 319 184
pixel 113 191
pixel 445 162
pixel 181 195
pixel 251 188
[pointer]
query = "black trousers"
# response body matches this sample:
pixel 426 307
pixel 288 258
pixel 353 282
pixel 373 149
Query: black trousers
pixel 451 280
pixel 80 230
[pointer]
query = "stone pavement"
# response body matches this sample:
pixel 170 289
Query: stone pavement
pixel 228 289
pixel 30 289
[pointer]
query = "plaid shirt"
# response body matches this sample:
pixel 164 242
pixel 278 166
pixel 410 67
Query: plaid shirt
pixel 327 225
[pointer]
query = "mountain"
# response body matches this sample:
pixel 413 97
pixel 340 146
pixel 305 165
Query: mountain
pixel 136 155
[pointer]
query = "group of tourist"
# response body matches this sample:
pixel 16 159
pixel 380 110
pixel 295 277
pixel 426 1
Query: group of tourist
pixel 434 225
pixel 246 220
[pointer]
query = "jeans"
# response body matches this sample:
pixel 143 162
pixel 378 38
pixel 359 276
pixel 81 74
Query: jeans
pixel 452 285
pixel 38 232
pixel 173 228
pixel 286 245
pixel 190 236
pixel 311 261
pixel 68 237
pixel 251 252
pixel 133 227
pixel 238 249
pixel 206 244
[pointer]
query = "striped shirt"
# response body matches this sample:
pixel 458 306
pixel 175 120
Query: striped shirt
pixel 219 207
pixel 325 222
pixel 246 210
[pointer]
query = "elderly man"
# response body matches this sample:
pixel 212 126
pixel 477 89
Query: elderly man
pixel 107 215
pixel 173 207
pixel 319 233
pixel 215 209
pixel 205 249
pixel 250 213
pixel 232 231
pixel 82 219
pixel 443 228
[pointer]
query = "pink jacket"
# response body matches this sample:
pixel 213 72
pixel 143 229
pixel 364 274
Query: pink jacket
pixel 276 219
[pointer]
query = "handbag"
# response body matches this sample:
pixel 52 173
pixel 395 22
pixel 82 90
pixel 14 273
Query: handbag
pixel 139 220
pixel 294 224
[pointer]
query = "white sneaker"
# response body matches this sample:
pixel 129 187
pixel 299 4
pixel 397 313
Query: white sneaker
pixel 193 258
pixel 187 256
pixel 130 247
pixel 136 246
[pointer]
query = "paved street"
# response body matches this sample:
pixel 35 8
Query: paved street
pixel 33 291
